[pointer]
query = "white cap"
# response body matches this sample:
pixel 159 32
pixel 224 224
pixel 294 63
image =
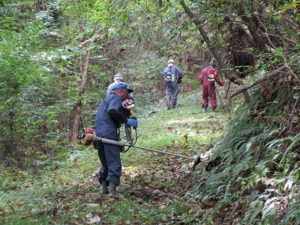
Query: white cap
pixel 170 61
pixel 118 77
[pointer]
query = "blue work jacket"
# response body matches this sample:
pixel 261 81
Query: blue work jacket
pixel 176 71
pixel 109 117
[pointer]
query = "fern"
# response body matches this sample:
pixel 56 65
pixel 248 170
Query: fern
pixel 292 216
pixel 251 216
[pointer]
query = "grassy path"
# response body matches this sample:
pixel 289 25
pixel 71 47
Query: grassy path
pixel 153 186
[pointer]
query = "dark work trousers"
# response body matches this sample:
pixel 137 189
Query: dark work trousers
pixel 111 163
pixel 172 90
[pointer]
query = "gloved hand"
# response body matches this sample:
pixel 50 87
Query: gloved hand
pixel 132 122
pixel 179 80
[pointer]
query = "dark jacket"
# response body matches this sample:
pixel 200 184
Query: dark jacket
pixel 178 74
pixel 109 117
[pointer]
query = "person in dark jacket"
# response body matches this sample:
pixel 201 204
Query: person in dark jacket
pixel 208 77
pixel 108 121
pixel 127 104
pixel 173 76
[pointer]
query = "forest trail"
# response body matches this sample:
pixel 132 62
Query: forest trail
pixel 57 58
pixel 153 186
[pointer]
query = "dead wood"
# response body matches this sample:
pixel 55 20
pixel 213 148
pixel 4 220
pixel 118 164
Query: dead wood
pixel 266 77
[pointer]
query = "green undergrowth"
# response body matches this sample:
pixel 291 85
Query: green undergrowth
pixel 253 176
pixel 185 129
pixel 153 187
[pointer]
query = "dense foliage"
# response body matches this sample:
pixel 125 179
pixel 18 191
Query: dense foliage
pixel 57 58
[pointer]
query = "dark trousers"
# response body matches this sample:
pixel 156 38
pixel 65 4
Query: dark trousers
pixel 110 159
pixel 172 90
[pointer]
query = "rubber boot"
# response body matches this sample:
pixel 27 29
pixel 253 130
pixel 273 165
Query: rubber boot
pixel 168 106
pixel 112 189
pixel 174 103
pixel 104 188
pixel 205 107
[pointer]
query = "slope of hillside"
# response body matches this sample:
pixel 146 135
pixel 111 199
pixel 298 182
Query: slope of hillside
pixel 153 186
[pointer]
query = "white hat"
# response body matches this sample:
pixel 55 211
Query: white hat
pixel 119 77
pixel 170 61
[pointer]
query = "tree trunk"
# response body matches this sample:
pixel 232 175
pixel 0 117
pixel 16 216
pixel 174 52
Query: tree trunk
pixel 74 121
pixel 11 141
pixel 206 39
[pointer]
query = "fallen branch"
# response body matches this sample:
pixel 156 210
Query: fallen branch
pixel 266 77
pixel 166 194
pixel 227 91
pixel 292 113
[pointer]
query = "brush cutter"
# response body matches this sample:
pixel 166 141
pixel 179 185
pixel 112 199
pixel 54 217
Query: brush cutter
pixel 90 136
pixel 156 109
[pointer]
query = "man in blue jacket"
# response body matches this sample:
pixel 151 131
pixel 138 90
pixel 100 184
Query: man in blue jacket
pixel 108 121
pixel 173 76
